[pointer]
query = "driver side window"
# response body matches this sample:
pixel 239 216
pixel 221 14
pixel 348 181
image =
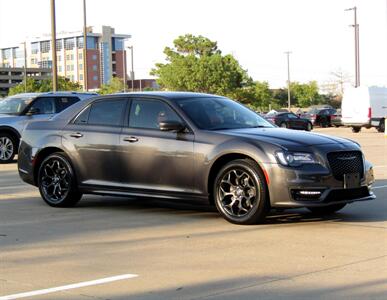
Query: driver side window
pixel 45 105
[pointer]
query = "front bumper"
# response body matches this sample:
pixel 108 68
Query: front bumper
pixel 314 186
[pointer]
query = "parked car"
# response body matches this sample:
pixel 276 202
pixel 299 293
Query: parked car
pixel 189 145
pixel 16 111
pixel 336 119
pixel 320 116
pixel 364 107
pixel 289 120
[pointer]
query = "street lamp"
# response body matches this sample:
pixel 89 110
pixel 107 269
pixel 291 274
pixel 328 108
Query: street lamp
pixel 85 87
pixel 53 47
pixel 357 48
pixel 288 55
pixel 124 63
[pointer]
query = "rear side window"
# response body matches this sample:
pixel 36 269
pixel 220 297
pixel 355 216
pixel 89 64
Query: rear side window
pixel 107 112
pixel 63 102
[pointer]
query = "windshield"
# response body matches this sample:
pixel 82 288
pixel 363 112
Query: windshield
pixel 13 105
pixel 220 113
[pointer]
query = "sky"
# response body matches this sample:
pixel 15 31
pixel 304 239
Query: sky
pixel 256 32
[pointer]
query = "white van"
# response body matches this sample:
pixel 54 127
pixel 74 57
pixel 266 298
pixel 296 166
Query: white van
pixel 364 107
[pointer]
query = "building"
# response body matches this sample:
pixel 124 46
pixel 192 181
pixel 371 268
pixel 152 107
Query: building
pixel 10 77
pixel 106 56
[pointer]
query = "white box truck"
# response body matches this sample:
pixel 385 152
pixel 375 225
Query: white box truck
pixel 364 107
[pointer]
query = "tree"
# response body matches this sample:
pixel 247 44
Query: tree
pixel 305 94
pixel 115 85
pixel 196 64
pixel 41 86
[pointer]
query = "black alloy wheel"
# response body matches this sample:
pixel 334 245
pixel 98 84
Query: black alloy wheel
pixel 240 192
pixel 56 181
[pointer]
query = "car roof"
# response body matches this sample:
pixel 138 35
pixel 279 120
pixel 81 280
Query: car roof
pixel 169 95
pixel 57 94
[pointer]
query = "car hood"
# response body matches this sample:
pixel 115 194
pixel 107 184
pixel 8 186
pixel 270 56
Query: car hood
pixel 286 138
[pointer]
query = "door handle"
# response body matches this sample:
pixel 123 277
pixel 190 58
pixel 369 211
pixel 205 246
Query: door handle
pixel 131 139
pixel 76 135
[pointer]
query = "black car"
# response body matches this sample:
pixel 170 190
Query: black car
pixel 289 120
pixel 190 146
pixel 320 116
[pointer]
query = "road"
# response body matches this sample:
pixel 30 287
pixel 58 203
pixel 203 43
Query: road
pixel 187 251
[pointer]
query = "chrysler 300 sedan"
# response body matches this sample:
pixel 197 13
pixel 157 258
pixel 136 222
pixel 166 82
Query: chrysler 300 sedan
pixel 191 146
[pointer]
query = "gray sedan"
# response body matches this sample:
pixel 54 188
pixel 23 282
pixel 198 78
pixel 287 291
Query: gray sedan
pixel 188 145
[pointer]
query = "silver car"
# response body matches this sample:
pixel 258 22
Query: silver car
pixel 18 110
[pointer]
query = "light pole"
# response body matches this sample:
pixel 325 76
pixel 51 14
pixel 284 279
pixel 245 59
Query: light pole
pixel 53 48
pixel 288 60
pixel 124 64
pixel 25 67
pixel 132 72
pixel 85 87
pixel 357 48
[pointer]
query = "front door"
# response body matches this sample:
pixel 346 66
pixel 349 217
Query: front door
pixel 155 160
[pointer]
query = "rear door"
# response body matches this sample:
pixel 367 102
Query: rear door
pixel 92 140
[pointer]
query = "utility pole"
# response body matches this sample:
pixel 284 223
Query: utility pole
pixel 357 48
pixel 25 67
pixel 132 72
pixel 53 48
pixel 288 60
pixel 85 87
pixel 124 67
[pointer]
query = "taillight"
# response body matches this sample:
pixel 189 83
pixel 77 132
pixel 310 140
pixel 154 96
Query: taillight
pixel 313 116
pixel 369 112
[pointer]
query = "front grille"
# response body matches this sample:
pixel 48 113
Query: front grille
pixel 346 162
pixel 347 194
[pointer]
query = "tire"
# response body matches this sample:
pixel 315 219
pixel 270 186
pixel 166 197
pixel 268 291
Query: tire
pixel 356 129
pixel 324 123
pixel 381 127
pixel 57 182
pixel 240 192
pixel 8 148
pixel 283 125
pixel 326 210
pixel 309 126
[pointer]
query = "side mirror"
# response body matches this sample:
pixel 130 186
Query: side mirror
pixel 171 126
pixel 33 111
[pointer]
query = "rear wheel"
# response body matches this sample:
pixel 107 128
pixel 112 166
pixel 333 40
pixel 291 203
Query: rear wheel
pixel 326 210
pixel 356 129
pixel 8 148
pixel 309 126
pixel 57 183
pixel 382 124
pixel 240 192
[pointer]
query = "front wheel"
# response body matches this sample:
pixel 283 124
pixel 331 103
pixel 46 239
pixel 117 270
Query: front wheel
pixel 326 210
pixel 356 129
pixel 283 125
pixel 57 183
pixel 8 148
pixel 240 192
pixel 382 126
pixel 309 126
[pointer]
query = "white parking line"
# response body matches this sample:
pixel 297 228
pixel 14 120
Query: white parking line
pixel 68 287
pixel 14 187
pixel 374 187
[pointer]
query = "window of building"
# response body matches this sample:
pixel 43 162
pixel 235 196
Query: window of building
pixel 148 113
pixel 95 78
pixel 80 56
pixel 6 53
pixel 45 46
pixel 80 76
pixel 91 42
pixel 45 64
pixel 72 56
pixel 80 42
pixel 34 48
pixel 94 57
pixel 60 68
pixel 68 67
pixel 59 44
pixel 80 66
pixel 59 58
pixel 107 113
pixel 94 67
pixel 72 67
pixel 69 43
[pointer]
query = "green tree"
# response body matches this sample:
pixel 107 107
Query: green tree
pixel 196 64
pixel 115 85
pixel 40 86
pixel 305 94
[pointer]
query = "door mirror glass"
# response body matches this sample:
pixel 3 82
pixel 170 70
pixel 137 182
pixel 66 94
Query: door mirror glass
pixel 171 126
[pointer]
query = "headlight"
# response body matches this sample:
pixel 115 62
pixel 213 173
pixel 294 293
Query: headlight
pixel 295 159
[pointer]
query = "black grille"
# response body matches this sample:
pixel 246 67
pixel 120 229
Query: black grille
pixel 347 194
pixel 345 162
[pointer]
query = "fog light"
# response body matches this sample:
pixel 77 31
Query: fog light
pixel 310 193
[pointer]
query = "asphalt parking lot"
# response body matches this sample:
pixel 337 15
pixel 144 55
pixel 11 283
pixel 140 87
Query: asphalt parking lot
pixel 166 250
